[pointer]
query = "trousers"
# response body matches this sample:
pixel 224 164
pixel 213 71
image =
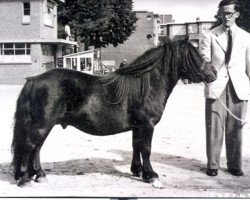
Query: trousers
pixel 219 123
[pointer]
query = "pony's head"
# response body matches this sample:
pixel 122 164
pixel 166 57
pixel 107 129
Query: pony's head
pixel 190 64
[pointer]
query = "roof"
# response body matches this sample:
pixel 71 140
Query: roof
pixel 59 1
pixel 44 41
pixel 80 53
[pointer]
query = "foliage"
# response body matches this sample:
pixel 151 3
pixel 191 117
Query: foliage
pixel 98 23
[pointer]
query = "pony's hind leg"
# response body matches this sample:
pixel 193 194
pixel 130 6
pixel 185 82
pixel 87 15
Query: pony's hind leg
pixel 136 166
pixel 26 154
pixel 22 156
pixel 34 167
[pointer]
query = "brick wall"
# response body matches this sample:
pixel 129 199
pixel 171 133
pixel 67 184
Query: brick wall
pixel 11 26
pixel 137 43
pixel 17 73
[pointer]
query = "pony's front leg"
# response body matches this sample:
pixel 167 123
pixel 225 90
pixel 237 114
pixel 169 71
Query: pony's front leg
pixel 148 172
pixel 136 166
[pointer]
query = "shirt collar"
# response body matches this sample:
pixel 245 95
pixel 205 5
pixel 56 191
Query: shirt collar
pixel 233 27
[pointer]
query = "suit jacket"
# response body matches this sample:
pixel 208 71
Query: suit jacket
pixel 213 48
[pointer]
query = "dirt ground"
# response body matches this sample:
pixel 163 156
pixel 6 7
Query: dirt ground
pixel 81 165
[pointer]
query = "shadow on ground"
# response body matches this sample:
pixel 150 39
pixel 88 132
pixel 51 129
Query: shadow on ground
pixel 110 167
pixel 105 166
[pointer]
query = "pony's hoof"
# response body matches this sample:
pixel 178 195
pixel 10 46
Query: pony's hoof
pixel 157 183
pixel 23 183
pixel 40 179
pixel 139 174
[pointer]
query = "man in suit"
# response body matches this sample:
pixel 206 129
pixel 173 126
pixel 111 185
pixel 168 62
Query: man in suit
pixel 227 48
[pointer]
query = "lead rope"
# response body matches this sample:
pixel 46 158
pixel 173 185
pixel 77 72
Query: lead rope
pixel 243 122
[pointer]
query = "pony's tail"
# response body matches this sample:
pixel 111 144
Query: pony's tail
pixel 23 118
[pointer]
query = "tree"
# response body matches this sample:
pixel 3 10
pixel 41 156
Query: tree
pixel 98 23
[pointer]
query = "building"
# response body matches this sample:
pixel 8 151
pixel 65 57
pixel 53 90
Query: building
pixel 28 39
pixel 193 30
pixel 151 29
pixel 86 61
pixel 144 38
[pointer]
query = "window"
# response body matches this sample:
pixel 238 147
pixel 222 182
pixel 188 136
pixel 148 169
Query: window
pixel 8 49
pixel 26 13
pixel 22 49
pixel 15 53
pixel 16 49
pixel 193 29
pixel 89 63
pixel 74 63
pixel 178 29
pixel 47 50
pixel 149 36
pixel 68 63
pixel 82 64
pixel 149 17
pixel 49 14
pixel 85 64
pixel 26 9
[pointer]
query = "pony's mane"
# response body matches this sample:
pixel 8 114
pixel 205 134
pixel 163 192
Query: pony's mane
pixel 133 80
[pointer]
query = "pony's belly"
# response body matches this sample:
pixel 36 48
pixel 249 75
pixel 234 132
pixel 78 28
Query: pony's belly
pixel 99 123
pixel 102 128
pixel 100 118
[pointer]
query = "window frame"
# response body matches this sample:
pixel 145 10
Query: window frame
pixel 26 9
pixel 49 14
pixel 14 53
pixel 26 16
pixel 26 49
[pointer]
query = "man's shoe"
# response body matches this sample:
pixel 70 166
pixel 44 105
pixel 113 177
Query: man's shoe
pixel 212 172
pixel 236 172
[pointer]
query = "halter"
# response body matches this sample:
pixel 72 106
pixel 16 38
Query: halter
pixel 203 65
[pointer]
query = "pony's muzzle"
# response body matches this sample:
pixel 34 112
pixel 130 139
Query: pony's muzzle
pixel 210 74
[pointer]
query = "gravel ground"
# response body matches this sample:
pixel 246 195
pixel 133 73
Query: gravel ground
pixel 81 165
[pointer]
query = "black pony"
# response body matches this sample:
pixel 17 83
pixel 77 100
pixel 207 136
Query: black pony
pixel 132 98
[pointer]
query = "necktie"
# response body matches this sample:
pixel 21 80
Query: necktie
pixel 229 46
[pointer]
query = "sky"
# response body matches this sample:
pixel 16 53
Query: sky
pixel 182 10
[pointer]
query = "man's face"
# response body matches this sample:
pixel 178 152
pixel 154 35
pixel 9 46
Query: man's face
pixel 228 15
